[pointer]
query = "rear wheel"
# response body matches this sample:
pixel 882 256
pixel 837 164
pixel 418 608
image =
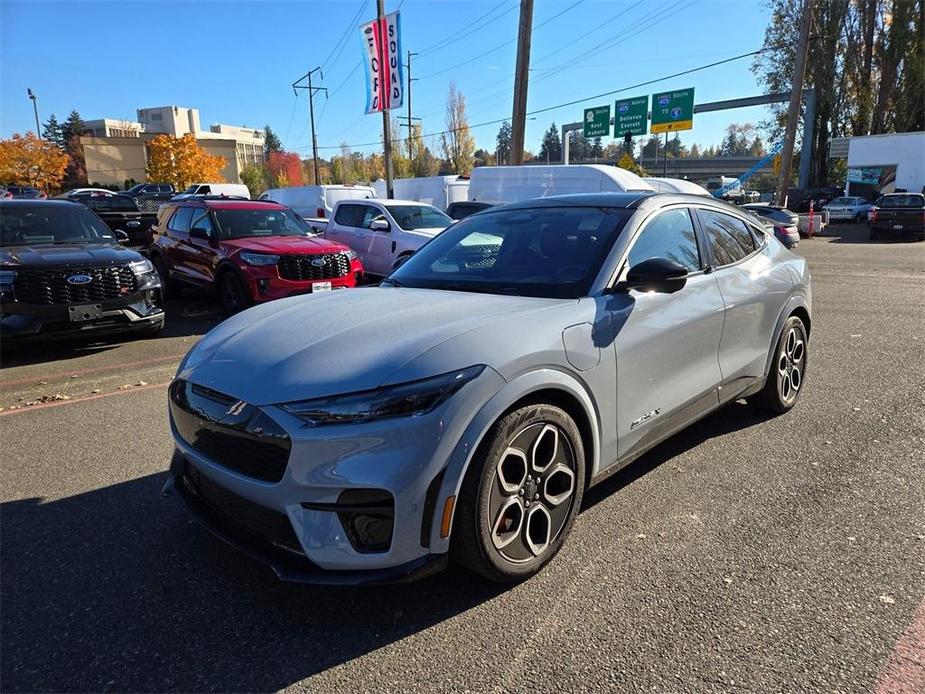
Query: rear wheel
pixel 232 292
pixel 521 495
pixel 788 369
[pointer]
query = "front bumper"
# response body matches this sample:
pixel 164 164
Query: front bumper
pixel 265 284
pixel 139 312
pixel 403 457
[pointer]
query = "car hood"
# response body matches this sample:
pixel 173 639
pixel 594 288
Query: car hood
pixel 428 232
pixel 286 244
pixel 345 341
pixel 79 254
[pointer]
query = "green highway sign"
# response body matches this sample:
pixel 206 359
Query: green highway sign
pixel 631 116
pixel 597 121
pixel 673 111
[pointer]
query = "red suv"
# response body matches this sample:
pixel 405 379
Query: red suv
pixel 247 250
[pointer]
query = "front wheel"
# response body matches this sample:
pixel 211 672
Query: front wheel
pixel 788 369
pixel 521 494
pixel 233 293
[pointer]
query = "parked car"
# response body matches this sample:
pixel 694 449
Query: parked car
pixel 120 212
pixel 238 190
pixel 247 251
pixel 786 224
pixel 86 193
pixel 439 191
pixel 159 191
pixel 63 273
pixel 787 235
pixel 26 193
pixel 461 409
pixel 726 188
pixel 898 215
pixel 5 194
pixel 752 196
pixel 847 209
pixel 317 201
pixel 500 184
pixel 384 231
pixel 461 210
pixel 799 200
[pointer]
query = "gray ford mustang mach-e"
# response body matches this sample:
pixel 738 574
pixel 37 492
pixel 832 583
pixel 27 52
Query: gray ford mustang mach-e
pixel 461 409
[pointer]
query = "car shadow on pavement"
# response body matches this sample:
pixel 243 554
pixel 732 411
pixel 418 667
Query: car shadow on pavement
pixel 732 417
pixel 848 233
pixel 116 589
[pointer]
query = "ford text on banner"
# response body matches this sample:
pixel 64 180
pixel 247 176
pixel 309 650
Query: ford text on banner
pixel 385 73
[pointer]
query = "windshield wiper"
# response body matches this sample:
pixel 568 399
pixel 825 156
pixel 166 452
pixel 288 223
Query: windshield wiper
pixel 512 291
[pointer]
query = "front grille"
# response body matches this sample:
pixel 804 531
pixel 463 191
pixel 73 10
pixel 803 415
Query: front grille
pixel 302 268
pixel 266 523
pixel 50 286
pixel 230 432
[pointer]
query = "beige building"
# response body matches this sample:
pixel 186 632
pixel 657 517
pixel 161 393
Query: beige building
pixel 115 149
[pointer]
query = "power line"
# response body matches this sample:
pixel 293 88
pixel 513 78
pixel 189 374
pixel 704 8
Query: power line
pixel 462 33
pixel 352 23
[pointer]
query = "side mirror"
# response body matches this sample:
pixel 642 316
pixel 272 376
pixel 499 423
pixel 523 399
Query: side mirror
pixel 199 233
pixel 401 261
pixel 121 236
pixel 656 275
pixel 379 224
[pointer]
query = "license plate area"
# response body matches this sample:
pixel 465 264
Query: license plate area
pixel 321 287
pixel 84 313
pixel 897 227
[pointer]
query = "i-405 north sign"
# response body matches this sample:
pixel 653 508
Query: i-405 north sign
pixel 631 116
pixel 673 110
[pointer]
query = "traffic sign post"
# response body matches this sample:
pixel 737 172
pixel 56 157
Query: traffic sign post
pixel 597 121
pixel 631 117
pixel 673 111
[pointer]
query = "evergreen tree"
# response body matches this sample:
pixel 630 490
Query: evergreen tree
pixel 73 126
pixel 596 150
pixel 271 142
pixel 51 131
pixel 675 147
pixel 503 144
pixel 551 146
pixel 579 147
pixel 71 130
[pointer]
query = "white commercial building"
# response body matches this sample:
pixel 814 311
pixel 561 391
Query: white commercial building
pixel 883 163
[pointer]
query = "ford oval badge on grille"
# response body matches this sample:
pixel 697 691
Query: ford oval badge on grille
pixel 319 262
pixel 79 279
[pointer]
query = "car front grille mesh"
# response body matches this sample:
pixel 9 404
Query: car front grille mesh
pixel 322 266
pixel 50 286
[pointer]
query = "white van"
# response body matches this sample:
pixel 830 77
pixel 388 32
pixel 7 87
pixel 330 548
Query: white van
pixel 439 191
pixel 676 185
pixel 317 201
pixel 500 184
pixel 236 189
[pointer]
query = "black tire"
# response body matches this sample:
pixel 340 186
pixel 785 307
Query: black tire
pixel 787 375
pixel 232 293
pixel 522 438
pixel 161 268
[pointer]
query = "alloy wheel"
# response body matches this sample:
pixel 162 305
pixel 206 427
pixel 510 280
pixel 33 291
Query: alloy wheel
pixel 790 364
pixel 532 493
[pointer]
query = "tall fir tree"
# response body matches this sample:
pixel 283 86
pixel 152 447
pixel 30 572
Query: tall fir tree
pixel 51 131
pixel 271 142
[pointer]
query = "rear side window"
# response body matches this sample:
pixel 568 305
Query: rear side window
pixel 670 235
pixel 729 238
pixel 350 215
pixel 181 218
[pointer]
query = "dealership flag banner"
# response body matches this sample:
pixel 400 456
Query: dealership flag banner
pixel 385 73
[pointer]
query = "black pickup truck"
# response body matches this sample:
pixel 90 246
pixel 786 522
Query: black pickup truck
pixel 150 196
pixel 898 215
pixel 121 212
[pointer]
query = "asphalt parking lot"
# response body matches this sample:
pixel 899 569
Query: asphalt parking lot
pixel 745 554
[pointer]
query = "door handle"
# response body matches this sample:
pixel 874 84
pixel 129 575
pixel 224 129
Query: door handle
pixel 393 246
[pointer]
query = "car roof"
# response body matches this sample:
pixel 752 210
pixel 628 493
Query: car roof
pixel 230 204
pixel 390 201
pixel 40 203
pixel 629 199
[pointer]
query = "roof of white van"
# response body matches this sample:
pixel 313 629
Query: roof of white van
pixel 391 201
pixel 625 180
pixel 675 185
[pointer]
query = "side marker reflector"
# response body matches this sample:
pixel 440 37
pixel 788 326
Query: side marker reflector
pixel 447 516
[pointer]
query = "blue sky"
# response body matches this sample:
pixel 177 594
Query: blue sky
pixel 235 60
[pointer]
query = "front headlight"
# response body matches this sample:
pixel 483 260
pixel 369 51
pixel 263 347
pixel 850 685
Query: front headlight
pixel 351 254
pixel 258 258
pixel 415 398
pixel 141 267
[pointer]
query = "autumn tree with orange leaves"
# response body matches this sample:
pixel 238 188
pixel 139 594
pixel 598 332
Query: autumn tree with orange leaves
pixel 181 161
pixel 285 169
pixel 28 161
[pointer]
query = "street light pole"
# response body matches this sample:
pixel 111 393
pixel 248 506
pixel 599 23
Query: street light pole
pixel 35 108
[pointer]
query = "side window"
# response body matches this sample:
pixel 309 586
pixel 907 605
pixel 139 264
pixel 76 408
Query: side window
pixel 349 215
pixel 203 221
pixel 670 235
pixel 369 214
pixel 181 219
pixel 728 237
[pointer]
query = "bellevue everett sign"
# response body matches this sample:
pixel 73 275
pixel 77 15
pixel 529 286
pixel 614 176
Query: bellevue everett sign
pixel 631 116
pixel 673 111
pixel 597 121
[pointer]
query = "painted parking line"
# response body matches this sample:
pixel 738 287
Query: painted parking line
pixel 96 369
pixel 905 670
pixel 76 401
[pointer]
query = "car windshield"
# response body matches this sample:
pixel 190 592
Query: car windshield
pixel 136 189
pixel 911 200
pixel 551 252
pixel 192 189
pixel 239 224
pixel 842 201
pixel 36 224
pixel 410 217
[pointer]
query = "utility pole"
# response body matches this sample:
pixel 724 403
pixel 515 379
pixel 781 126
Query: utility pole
pixel 665 157
pixel 521 79
pixel 386 130
pixel 35 108
pixel 796 96
pixel 311 112
pixel 409 117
